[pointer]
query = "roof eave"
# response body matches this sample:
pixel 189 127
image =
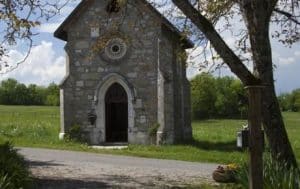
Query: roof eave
pixel 61 33
pixel 185 42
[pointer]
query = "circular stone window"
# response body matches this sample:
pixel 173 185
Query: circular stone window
pixel 115 49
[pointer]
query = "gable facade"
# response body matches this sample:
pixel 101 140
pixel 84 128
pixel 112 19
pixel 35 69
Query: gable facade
pixel 125 75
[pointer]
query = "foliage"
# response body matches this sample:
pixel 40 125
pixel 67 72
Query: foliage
pixel 290 101
pixel 276 175
pixel 153 129
pixel 52 98
pixel 203 96
pixel 75 134
pixel 14 93
pixel 228 16
pixel 14 171
pixel 18 19
pixel 216 97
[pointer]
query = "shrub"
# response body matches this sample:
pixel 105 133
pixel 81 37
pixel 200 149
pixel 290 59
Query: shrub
pixel 14 173
pixel 75 134
pixel 276 175
pixel 153 129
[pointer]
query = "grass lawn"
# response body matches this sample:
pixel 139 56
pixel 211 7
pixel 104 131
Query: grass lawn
pixel 214 139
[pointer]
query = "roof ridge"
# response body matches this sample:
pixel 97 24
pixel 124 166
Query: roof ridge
pixel 62 34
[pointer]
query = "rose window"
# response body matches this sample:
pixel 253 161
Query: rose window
pixel 115 49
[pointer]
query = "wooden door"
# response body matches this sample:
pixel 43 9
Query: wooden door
pixel 116 114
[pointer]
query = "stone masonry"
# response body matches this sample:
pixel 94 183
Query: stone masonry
pixel 140 50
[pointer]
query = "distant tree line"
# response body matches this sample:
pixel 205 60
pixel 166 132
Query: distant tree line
pixel 290 101
pixel 225 97
pixel 14 93
pixel 217 97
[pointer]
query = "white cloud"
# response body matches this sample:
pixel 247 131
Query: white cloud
pixel 42 67
pixel 286 61
pixel 297 53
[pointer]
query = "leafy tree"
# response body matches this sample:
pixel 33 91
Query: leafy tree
pixel 283 101
pixel 37 94
pixel 257 16
pixel 8 91
pixel 216 97
pixel 52 98
pixel 203 93
pixel 21 95
pixel 290 101
pixel 14 93
pixel 228 102
pixel 296 98
pixel 18 19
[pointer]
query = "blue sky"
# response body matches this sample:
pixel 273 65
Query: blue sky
pixel 46 63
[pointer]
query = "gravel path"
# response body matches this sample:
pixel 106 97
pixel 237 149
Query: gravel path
pixel 78 170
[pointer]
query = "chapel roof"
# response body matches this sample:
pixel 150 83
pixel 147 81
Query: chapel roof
pixel 61 32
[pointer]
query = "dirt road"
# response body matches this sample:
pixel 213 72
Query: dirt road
pixel 78 170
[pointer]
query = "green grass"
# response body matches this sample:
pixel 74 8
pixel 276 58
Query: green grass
pixel 292 121
pixel 214 139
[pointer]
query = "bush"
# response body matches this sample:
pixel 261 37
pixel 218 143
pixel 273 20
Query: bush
pixel 75 134
pixel 14 173
pixel 153 130
pixel 276 175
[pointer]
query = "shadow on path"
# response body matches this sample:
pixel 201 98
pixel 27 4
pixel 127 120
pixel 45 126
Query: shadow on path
pixel 229 146
pixel 112 182
pixel 42 163
pixel 68 184
pixel 106 181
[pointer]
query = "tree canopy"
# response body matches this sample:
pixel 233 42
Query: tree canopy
pixel 217 97
pixel 14 93
pixel 290 101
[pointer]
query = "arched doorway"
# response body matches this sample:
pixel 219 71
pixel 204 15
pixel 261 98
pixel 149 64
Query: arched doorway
pixel 116 114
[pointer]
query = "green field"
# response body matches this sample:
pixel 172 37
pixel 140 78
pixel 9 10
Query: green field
pixel 214 139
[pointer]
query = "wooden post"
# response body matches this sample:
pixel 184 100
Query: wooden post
pixel 255 137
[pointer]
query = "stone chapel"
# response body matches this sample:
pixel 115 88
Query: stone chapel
pixel 125 74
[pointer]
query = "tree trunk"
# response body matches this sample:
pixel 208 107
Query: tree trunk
pixel 275 130
pixel 257 15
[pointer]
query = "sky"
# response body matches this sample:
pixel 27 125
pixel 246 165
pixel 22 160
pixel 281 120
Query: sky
pixel 46 63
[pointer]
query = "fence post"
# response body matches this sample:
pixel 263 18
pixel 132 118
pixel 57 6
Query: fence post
pixel 255 137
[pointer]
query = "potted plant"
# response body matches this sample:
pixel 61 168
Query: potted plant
pixel 225 174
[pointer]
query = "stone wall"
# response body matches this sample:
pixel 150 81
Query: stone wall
pixel 88 70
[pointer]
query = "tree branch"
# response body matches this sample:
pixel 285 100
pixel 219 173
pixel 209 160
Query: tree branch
pixel 229 57
pixel 288 15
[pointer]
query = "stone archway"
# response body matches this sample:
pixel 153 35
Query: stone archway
pixel 116 114
pixel 100 104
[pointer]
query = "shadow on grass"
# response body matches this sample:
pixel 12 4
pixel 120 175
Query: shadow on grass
pixel 229 146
